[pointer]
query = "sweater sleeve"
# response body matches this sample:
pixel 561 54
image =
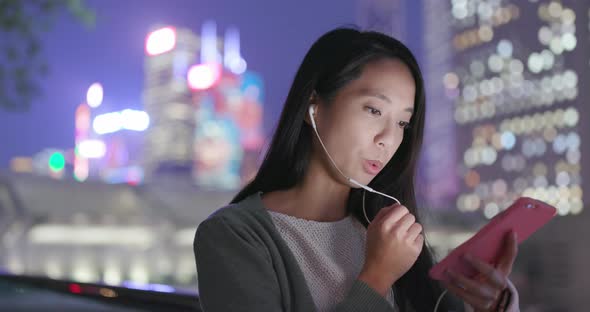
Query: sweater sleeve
pixel 235 273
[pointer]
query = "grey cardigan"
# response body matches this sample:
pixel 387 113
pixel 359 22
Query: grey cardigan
pixel 243 264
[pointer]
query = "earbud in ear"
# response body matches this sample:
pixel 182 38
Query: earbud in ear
pixel 311 117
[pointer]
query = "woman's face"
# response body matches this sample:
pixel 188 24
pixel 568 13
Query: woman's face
pixel 363 126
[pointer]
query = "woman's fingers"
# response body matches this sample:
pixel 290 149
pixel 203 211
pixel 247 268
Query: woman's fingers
pixel 483 292
pixel 491 275
pixel 414 231
pixel 472 287
pixel 509 253
pixel 475 301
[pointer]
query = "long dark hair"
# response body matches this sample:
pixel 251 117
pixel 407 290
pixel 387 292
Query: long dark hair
pixel 334 60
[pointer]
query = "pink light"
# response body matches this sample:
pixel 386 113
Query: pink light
pixel 203 76
pixel 82 116
pixel 252 140
pixel 81 169
pixel 160 41
pixel 75 288
pixel 81 166
pixel 249 115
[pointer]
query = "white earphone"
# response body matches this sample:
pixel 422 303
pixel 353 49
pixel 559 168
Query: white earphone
pixel 353 182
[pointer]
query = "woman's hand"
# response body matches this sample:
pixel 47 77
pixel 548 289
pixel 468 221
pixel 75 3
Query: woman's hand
pixel 484 292
pixel 394 242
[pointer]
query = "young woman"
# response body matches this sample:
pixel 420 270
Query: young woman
pixel 305 234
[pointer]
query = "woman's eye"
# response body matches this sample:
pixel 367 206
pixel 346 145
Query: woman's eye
pixel 404 125
pixel 374 111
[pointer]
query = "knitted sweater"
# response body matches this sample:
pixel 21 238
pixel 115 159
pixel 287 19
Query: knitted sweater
pixel 330 254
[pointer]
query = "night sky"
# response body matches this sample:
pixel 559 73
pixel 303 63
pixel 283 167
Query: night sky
pixel 274 38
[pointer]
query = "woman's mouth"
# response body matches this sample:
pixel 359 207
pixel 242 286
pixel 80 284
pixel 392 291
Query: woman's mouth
pixel 372 167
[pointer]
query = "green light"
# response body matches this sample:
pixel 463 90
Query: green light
pixel 57 162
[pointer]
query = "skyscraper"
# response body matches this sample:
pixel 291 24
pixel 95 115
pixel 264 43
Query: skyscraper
pixel 167 98
pixel 205 108
pixel 518 98
pixel 439 158
pixel 520 87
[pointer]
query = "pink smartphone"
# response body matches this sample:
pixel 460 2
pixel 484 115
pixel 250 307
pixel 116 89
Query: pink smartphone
pixel 524 216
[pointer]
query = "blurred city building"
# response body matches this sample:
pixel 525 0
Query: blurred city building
pixel 205 107
pixel 202 119
pixel 122 205
pixel 118 234
pixel 167 98
pixel 519 85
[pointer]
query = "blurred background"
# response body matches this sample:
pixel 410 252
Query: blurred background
pixel 124 124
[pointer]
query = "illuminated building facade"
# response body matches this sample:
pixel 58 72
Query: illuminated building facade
pixel 210 107
pixel 118 150
pixel 229 134
pixel 167 99
pixel 519 87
